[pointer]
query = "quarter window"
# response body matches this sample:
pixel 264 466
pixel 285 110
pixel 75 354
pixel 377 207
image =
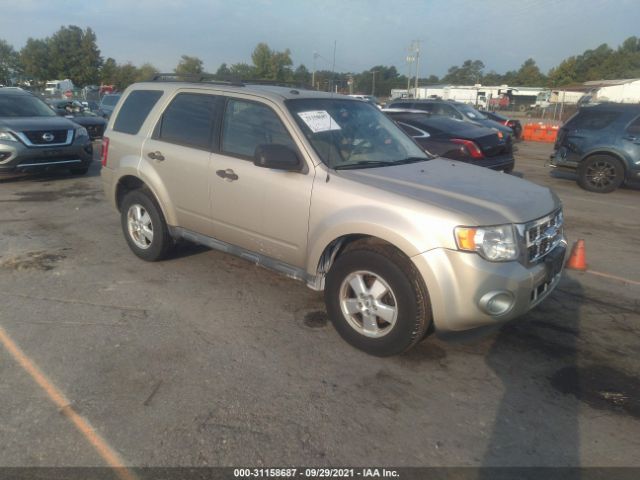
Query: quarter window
pixel 189 120
pixel 249 124
pixel 135 109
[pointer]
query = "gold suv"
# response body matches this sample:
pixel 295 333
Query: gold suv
pixel 327 190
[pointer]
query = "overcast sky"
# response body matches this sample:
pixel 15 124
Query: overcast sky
pixel 367 32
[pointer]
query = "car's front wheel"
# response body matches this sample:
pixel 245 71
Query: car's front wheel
pixel 600 173
pixel 377 301
pixel 144 226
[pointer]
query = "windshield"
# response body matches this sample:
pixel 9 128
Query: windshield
pixel 353 134
pixel 110 100
pixel 472 113
pixel 24 106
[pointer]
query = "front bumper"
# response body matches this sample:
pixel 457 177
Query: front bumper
pixel 562 158
pixel 16 157
pixel 459 284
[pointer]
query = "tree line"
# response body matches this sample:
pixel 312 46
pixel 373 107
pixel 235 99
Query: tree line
pixel 73 53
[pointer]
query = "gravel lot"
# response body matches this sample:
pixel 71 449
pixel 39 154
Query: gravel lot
pixel 206 359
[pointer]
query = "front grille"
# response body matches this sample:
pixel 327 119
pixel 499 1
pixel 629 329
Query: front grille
pixel 542 235
pixel 36 136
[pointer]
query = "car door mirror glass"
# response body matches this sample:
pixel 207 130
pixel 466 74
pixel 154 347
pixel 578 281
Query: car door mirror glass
pixel 277 157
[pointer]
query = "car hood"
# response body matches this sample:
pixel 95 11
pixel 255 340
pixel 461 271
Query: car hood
pixel 21 124
pixel 478 195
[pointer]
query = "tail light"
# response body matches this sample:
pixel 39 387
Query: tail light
pixel 105 150
pixel 470 147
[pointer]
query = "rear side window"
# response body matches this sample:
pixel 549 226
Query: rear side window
pixel 248 124
pixel 592 120
pixel 634 128
pixel 189 120
pixel 135 109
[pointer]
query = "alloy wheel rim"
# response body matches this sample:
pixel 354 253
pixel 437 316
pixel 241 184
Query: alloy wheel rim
pixel 601 174
pixel 368 304
pixel 140 226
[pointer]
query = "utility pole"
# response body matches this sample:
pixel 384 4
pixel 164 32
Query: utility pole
pixel 373 83
pixel 417 64
pixel 313 75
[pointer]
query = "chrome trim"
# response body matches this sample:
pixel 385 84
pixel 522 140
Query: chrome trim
pixel 553 234
pixel 270 263
pixel 47 163
pixel 28 143
pixel 548 288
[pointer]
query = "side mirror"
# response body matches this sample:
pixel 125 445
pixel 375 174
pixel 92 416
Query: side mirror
pixel 278 157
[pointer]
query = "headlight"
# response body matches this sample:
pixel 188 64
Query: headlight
pixel 497 244
pixel 7 136
pixel 81 132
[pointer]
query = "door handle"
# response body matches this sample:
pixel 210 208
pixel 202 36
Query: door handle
pixel 155 156
pixel 631 138
pixel 227 174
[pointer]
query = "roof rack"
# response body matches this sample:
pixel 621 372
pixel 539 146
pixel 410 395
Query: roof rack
pixel 192 78
pixel 278 83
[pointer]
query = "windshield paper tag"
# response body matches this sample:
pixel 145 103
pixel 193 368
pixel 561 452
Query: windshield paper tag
pixel 319 121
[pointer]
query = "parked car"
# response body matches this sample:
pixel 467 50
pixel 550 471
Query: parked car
pixel 513 123
pixel 107 104
pixel 456 110
pixel 455 139
pixel 602 143
pixel 34 138
pixel 367 98
pixel 80 114
pixel 328 190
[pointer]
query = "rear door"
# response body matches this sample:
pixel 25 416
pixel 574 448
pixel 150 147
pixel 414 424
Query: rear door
pixel 263 210
pixel 631 140
pixel 179 152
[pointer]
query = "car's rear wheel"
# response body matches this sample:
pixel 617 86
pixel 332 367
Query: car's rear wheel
pixel 144 226
pixel 377 301
pixel 600 173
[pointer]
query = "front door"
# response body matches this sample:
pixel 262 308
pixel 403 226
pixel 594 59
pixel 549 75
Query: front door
pixel 263 210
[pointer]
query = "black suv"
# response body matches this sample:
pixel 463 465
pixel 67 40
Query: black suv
pixel 601 142
pixel 456 110
pixel 33 137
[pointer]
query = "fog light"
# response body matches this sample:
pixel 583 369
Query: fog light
pixel 497 303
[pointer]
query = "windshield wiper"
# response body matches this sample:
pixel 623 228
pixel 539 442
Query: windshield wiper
pixel 380 163
pixel 364 164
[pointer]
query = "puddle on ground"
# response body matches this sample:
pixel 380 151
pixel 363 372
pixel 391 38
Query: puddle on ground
pixel 600 387
pixel 31 261
pixel 316 319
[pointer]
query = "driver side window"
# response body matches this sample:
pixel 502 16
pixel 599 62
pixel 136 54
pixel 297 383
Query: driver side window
pixel 249 124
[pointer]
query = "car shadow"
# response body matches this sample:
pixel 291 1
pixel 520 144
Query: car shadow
pixel 531 427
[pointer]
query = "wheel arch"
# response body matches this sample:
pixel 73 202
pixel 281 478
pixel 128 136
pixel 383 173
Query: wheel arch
pixel 129 182
pixel 606 152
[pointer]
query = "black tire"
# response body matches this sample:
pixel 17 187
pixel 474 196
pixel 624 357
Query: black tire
pixel 79 170
pixel 600 173
pixel 161 242
pixel 408 295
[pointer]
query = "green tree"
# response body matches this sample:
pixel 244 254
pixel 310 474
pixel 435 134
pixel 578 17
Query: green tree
pixel 125 75
pixel 529 75
pixel 9 63
pixel 189 66
pixel 223 72
pixel 469 73
pixel 73 53
pixel 302 75
pixel 271 65
pixel 109 72
pixel 563 74
pixel 146 72
pixel 34 58
pixel 242 71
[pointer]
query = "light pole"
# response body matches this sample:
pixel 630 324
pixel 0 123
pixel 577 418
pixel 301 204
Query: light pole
pixel 313 75
pixel 373 83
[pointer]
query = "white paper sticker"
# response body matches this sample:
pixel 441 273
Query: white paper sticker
pixel 319 121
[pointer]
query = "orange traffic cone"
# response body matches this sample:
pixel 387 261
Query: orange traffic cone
pixel 578 259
